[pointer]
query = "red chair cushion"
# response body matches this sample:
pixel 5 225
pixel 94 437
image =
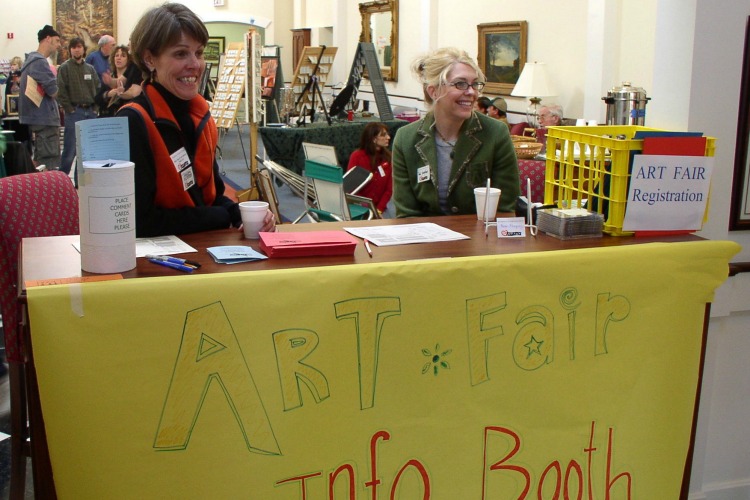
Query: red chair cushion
pixel 31 205
pixel 517 128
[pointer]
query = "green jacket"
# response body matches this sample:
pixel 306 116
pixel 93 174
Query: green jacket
pixel 483 150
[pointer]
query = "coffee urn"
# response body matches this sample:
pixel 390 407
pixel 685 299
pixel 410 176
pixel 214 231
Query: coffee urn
pixel 626 105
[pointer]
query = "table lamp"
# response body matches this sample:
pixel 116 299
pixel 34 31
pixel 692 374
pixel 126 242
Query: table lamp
pixel 534 84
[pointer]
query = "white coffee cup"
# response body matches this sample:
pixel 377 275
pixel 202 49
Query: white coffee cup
pixel 491 213
pixel 253 213
pixel 593 123
pixel 580 122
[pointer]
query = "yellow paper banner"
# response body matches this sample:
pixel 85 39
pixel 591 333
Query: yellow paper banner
pixel 556 373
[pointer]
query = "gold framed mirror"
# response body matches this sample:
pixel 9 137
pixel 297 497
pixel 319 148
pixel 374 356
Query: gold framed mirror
pixel 380 27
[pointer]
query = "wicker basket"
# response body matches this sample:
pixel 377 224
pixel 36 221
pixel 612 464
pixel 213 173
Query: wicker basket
pixel 522 138
pixel 526 150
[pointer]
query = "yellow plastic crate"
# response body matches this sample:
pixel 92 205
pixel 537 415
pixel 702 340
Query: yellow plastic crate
pixel 591 164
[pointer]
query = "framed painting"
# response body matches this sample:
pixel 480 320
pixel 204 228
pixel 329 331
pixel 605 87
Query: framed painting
pixel 502 54
pixel 268 68
pixel 85 19
pixel 740 209
pixel 214 49
pixel 11 104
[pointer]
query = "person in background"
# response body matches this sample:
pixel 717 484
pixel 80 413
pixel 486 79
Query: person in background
pixel 99 59
pixel 128 78
pixel 498 109
pixel 373 154
pixel 482 104
pixel 78 83
pixel 550 115
pixel 15 63
pixel 12 85
pixel 440 159
pixel 42 117
pixel 173 138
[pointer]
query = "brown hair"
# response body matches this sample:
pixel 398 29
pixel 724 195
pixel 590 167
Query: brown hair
pixel 367 142
pixel 162 27
pixel 120 48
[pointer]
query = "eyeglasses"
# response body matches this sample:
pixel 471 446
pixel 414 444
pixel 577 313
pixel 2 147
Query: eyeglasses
pixel 465 85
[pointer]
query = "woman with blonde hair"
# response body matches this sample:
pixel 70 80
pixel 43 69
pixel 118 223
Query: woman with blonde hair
pixel 440 159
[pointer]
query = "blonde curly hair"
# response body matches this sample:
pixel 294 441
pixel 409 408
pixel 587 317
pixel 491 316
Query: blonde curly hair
pixel 433 68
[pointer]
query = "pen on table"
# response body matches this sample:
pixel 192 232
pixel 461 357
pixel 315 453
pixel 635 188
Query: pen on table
pixel 367 247
pixel 173 265
pixel 175 260
pixel 485 215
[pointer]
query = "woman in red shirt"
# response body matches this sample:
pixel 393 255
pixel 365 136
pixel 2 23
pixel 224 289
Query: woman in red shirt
pixel 374 155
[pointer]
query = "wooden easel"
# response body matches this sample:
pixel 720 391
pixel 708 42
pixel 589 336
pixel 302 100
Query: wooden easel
pixel 255 110
pixel 312 71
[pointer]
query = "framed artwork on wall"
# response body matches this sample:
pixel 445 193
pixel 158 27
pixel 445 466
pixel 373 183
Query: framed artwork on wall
pixel 502 54
pixel 85 19
pixel 740 210
pixel 11 104
pixel 214 49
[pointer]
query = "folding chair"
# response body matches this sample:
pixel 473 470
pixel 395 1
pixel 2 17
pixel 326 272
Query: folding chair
pixel 330 200
pixel 297 183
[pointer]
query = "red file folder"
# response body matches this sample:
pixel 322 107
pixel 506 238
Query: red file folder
pixel 307 243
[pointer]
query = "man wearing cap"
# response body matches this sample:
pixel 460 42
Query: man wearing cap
pixel 482 104
pixel 37 106
pixel 99 59
pixel 498 109
pixel 78 84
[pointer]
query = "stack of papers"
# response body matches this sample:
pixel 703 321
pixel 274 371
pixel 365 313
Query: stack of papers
pixel 405 234
pixel 571 223
pixel 234 254
pixel 307 244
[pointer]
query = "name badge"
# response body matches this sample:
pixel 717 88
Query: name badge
pixel 181 162
pixel 87 77
pixel 423 174
pixel 511 227
pixel 380 169
pixel 180 159
pixel 188 179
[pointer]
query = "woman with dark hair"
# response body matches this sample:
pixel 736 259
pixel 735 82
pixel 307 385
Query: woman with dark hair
pixel 373 154
pixel 173 138
pixel 128 78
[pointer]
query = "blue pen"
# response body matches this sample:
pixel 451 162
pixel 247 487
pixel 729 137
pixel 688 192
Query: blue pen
pixel 173 265
pixel 175 260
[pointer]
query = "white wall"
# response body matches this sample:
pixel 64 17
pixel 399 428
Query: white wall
pixel 722 463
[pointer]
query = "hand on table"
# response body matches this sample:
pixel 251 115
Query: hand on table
pixel 269 223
